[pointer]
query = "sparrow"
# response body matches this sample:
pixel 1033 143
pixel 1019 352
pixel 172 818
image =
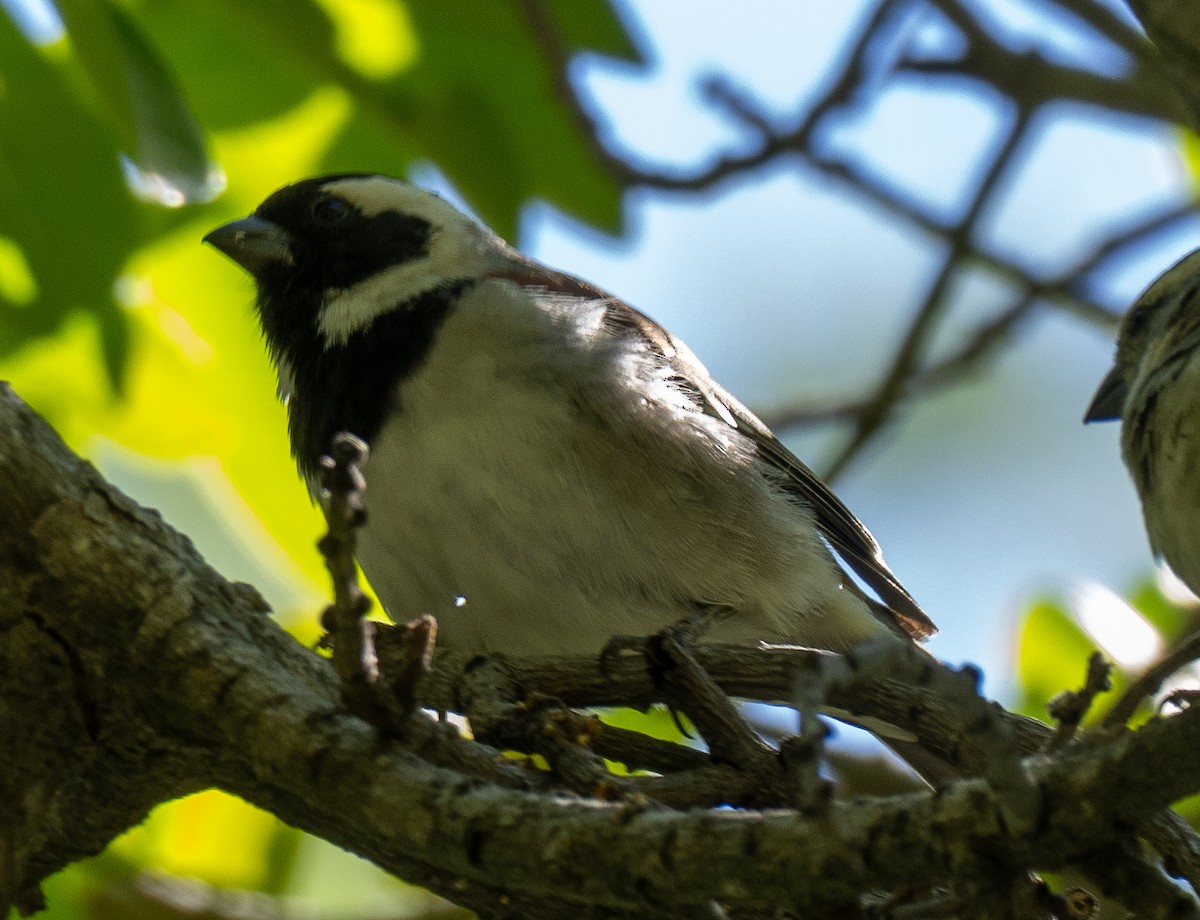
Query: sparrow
pixel 549 467
pixel 1154 389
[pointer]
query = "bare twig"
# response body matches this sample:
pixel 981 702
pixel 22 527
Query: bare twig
pixel 1069 707
pixel 1065 293
pixel 875 54
pixel 1148 682
pixel 730 740
pixel 1031 77
pixel 881 407
pixel 352 636
pixel 388 706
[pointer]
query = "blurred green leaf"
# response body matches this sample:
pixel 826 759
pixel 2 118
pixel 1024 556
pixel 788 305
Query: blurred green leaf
pixel 485 105
pixel 594 25
pixel 190 837
pixel 1053 649
pixel 63 203
pixel 135 87
pixel 1168 618
pixel 1052 653
pixel 233 75
pixel 465 85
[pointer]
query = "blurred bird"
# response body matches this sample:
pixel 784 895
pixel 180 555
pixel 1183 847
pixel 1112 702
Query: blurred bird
pixel 549 467
pixel 1154 390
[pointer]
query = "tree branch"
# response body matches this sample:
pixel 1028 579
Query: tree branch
pixel 880 51
pixel 131 673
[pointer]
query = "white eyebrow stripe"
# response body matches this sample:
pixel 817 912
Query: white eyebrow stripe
pixel 458 248
pixel 347 311
pixel 377 194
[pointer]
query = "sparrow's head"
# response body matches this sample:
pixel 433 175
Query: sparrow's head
pixel 332 254
pixel 1161 329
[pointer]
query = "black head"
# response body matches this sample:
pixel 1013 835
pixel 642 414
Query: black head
pixel 1161 327
pixel 355 275
pixel 312 242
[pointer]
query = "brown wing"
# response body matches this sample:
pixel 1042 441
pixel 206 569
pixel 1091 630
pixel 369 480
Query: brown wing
pixel 837 525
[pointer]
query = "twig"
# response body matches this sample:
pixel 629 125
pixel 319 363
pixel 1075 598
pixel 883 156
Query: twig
pixel 352 635
pixel 342 486
pixel 1029 76
pixel 974 717
pixel 1064 292
pixel 881 408
pixel 730 740
pixel 802 753
pixel 877 52
pixel 1069 707
pixel 1148 682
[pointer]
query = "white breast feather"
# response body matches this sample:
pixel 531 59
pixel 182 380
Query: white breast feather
pixel 531 472
pixel 1173 506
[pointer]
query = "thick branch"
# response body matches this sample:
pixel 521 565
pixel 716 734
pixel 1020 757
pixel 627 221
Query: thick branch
pixel 132 673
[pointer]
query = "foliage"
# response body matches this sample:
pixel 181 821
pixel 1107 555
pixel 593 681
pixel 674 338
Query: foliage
pixel 1053 632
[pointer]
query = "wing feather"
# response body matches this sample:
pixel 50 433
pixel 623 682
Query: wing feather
pixel 844 532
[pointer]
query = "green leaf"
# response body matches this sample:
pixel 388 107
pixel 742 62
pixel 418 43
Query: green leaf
pixel 63 203
pixel 233 74
pixel 1168 619
pixel 473 89
pixel 594 25
pixel 138 91
pixel 1052 653
pixel 485 82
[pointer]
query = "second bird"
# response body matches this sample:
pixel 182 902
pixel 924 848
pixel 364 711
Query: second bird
pixel 1155 390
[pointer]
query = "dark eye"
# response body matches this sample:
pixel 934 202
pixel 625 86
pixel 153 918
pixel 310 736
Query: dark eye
pixel 1135 322
pixel 330 211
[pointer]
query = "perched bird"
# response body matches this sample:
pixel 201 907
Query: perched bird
pixel 1155 390
pixel 549 467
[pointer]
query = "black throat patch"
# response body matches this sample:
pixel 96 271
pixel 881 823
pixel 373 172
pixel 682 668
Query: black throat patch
pixel 353 386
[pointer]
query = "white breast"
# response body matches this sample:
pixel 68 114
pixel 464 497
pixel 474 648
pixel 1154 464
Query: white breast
pixel 544 487
pixel 1172 506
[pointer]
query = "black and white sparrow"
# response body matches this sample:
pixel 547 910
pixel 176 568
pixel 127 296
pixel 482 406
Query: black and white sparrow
pixel 549 467
pixel 1154 390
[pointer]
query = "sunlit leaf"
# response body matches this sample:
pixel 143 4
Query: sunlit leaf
pixel 1171 620
pixel 137 90
pixel 374 37
pixel 470 87
pixel 63 204
pixel 1049 641
pixel 190 837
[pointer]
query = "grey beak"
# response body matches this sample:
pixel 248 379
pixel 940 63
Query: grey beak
pixel 252 242
pixel 1109 400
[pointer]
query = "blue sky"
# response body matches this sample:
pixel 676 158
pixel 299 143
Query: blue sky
pixel 982 497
